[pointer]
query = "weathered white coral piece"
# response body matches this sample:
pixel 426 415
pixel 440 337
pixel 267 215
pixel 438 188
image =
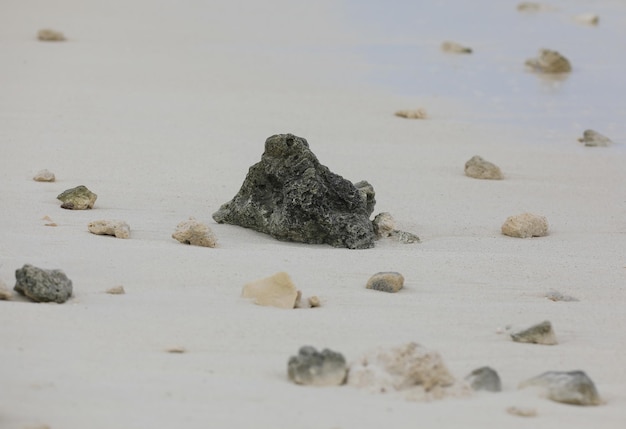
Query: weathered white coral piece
pixel 413 370
pixel 594 139
pixel 274 291
pixel 385 226
pixel 525 225
pixel 412 114
pixel 455 48
pixel 549 62
pixel 479 168
pixel 116 228
pixel 44 176
pixel 195 233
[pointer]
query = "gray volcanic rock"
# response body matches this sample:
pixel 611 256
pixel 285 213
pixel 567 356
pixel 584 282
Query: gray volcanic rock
pixel 310 367
pixel 43 285
pixel 484 378
pixel 573 387
pixel 291 196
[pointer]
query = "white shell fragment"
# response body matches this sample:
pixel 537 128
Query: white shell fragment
pixel 44 176
pixel 116 228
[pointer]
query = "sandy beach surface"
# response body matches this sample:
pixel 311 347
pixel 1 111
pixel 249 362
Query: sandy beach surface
pixel 160 107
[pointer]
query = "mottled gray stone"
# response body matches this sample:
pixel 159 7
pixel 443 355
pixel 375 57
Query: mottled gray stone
pixel 542 333
pixel 310 367
pixel 479 168
pixel 593 138
pixel 43 285
pixel 484 378
pixel 549 62
pixel 386 282
pixel 78 198
pixel 291 196
pixel 573 387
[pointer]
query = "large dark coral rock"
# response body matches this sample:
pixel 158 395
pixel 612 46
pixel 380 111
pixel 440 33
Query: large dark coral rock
pixel 291 196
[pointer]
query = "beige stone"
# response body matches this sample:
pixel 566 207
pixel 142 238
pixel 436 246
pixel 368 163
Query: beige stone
pixel 274 291
pixel 116 228
pixel 314 301
pixel 117 290
pixel 479 168
pixel 525 225
pixel 49 35
pixel 587 19
pixel 5 292
pixel 522 411
pixel 44 176
pixel 412 114
pixel 195 233
pixel 386 282
pixel 455 48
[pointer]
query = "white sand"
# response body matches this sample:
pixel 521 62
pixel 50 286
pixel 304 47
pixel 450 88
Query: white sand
pixel 160 107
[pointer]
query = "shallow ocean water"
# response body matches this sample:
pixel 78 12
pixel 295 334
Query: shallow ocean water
pixel 404 57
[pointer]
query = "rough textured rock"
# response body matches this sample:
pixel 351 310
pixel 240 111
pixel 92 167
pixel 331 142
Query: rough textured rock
pixel 484 378
pixel 573 387
pixel 593 138
pixel 291 196
pixel 5 293
pixel 44 176
pixel 116 228
pixel 412 114
pixel 43 285
pixel 478 168
pixel 455 48
pixel 549 62
pixel 78 198
pixel 385 226
pixel 413 370
pixel 525 225
pixel 541 333
pixel 310 367
pixel 195 233
pixel 274 291
pixel 386 282
pixel 49 35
